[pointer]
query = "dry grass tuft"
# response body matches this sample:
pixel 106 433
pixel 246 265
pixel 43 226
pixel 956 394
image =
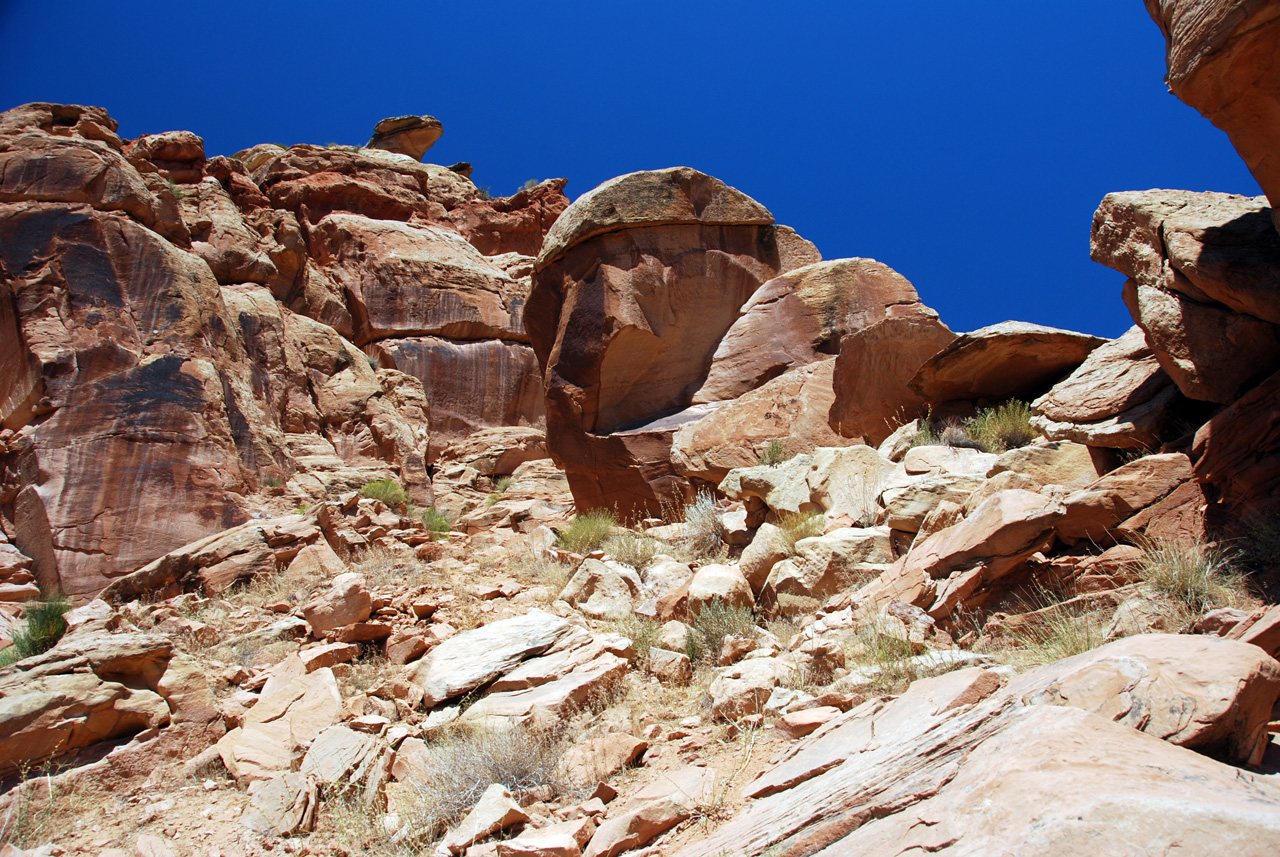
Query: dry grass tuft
pixel 1196 577
pixel 587 532
pixel 634 549
pixel 801 525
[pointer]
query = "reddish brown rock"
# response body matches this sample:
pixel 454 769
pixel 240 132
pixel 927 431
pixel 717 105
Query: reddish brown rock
pixel 1119 397
pixel 178 155
pixel 1093 512
pixel 872 371
pixel 637 282
pixel 1006 360
pixel 799 318
pixel 258 247
pixel 62 164
pixel 1237 452
pixel 791 408
pixel 425 280
pixel 1221 59
pixel 512 224
pixel 406 135
pixel 1202 269
pixel 469 386
pixel 947 569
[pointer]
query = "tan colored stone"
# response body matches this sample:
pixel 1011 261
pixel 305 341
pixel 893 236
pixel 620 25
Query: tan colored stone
pixel 798 724
pixel 345 601
pixel 603 590
pixel 1092 512
pixel 719 584
pixel 496 811
pixel 671 668
pixel 406 135
pixel 1060 462
pixel 598 759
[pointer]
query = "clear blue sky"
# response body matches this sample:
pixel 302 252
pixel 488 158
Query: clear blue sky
pixel 965 144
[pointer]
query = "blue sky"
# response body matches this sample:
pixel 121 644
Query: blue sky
pixel 965 144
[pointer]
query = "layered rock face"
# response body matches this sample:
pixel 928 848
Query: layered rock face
pixel 635 287
pixel 1222 61
pixel 176 331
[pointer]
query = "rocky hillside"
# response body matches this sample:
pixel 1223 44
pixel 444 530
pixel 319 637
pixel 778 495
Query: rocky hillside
pixel 345 509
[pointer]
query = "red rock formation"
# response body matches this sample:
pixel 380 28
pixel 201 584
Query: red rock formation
pixel 1202 269
pixel 1222 61
pixel 636 285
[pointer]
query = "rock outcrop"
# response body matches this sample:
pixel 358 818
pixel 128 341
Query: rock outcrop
pixel 636 285
pixel 1221 59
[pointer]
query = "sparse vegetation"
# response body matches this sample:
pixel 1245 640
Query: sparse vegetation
pixel 703 527
pixel 999 429
pixel 713 624
pixel 587 532
pixel 631 548
pixel 1003 427
pixel 887 653
pixel 1059 627
pixel 643 634
pixel 530 184
pixel 801 525
pixel 273 482
pixel 774 453
pixel 178 191
pixel 386 490
pixel 435 522
pixel 499 491
pixel 43 625
pixel 1197 577
pixel 549 573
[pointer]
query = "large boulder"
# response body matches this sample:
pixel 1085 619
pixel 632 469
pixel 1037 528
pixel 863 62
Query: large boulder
pixel 635 286
pixel 874 366
pixel 1066 756
pixel 1202 270
pixel 1012 359
pixel 1119 397
pixel 406 135
pixel 791 409
pixel 1221 59
pixel 1237 453
pixel 800 317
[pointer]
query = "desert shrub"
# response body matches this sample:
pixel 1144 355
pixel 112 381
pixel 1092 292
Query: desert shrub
pixel 887 654
pixel 273 482
pixel 530 184
pixel 467 760
pixel 386 490
pixel 1003 427
pixel 1197 576
pixel 631 548
pixel 587 532
pixel 773 453
pixel 703 527
pixel 435 522
pixel 713 624
pixel 43 625
pixel 801 525
pixel 499 491
pixel 642 632
pixel 549 573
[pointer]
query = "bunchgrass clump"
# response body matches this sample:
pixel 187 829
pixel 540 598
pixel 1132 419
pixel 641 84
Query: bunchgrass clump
pixel 466 760
pixel 1197 576
pixel 436 523
pixel 43 625
pixel 386 490
pixel 631 548
pixel 499 491
pixel 643 634
pixel 587 532
pixel 773 454
pixel 715 622
pixel 1004 427
pixel 886 654
pixel 1057 627
pixel 801 525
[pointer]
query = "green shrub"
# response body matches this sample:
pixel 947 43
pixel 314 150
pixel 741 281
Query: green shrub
pixel 386 490
pixel 435 522
pixel 587 532
pixel 499 491
pixel 773 454
pixel 43 625
pixel 643 634
pixel 631 548
pixel 1003 427
pixel 713 624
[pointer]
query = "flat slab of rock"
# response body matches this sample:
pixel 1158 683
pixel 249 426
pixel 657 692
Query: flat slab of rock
pixel 476 657
pixel 495 811
pixel 1012 359
pixel 406 135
